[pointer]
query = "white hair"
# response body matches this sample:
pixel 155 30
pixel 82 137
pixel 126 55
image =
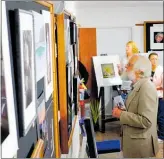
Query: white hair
pixel 143 64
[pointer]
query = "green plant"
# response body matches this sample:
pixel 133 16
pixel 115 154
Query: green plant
pixel 95 109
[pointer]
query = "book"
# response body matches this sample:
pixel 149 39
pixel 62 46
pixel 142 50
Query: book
pixel 118 102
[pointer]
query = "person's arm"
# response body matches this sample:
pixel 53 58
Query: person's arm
pixel 143 119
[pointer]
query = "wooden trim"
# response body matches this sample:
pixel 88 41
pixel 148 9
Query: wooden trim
pixel 62 84
pixel 139 24
pixel 72 132
pixel 50 5
pixel 156 22
pixel 144 36
pixel 55 92
pixel 38 150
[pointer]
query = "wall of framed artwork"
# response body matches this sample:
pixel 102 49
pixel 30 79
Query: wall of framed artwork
pixel 9 140
pixel 16 14
pixel 66 74
pixel 151 31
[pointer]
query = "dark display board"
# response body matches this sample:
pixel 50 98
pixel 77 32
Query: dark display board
pixel 27 143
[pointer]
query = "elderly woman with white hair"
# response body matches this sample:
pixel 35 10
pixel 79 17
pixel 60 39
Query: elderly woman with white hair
pixel 139 121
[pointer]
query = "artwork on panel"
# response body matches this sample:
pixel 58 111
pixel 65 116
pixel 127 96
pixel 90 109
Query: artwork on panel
pixel 156 38
pixel 47 29
pixel 69 97
pixel 67 40
pixel 49 151
pixel 9 140
pixel 49 72
pixel 106 70
pixel 40 45
pixel 25 69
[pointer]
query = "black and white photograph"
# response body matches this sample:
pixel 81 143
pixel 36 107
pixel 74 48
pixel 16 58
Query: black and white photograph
pixel 9 126
pixel 25 69
pixel 27 50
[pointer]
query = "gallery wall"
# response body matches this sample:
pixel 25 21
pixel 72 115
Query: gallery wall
pixel 115 26
pixel 118 16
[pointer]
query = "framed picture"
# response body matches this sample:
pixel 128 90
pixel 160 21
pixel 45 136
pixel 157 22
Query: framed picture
pixel 49 150
pixel 67 41
pixel 41 110
pixel 69 96
pixel 106 70
pixel 153 36
pixel 156 38
pixel 73 32
pixel 25 69
pixel 9 140
pixel 40 45
pixel 49 72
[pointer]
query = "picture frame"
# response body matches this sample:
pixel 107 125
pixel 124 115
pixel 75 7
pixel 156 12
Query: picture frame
pixel 149 30
pixel 24 62
pixel 40 45
pixel 69 97
pixel 49 149
pixel 49 72
pixel 38 150
pixel 111 63
pixel 156 38
pixel 9 138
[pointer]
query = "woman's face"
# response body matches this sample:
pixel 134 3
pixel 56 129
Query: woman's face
pixel 129 50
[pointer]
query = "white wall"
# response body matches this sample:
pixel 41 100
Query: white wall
pixel 118 16
pixel 118 19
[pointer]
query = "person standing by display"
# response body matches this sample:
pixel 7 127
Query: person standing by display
pixel 131 49
pixel 157 79
pixel 139 120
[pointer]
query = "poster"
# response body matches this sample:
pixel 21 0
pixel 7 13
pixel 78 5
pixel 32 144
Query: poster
pixel 49 71
pixel 40 45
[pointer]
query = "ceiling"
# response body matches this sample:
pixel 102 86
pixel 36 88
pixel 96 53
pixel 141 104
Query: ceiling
pixel 107 4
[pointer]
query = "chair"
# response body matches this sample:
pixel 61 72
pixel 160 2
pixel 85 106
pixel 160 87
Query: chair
pixel 94 148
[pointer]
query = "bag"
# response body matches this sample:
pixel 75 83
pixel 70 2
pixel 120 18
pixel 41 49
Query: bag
pixel 86 95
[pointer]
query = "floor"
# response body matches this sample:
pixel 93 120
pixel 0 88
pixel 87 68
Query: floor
pixel 113 132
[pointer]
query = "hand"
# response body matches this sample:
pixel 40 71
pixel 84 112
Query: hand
pixel 159 89
pixel 116 112
pixel 119 69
